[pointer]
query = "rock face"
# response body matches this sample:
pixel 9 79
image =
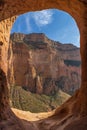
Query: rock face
pixel 73 113
pixel 44 66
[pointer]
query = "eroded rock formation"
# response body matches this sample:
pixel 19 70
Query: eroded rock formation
pixel 43 66
pixel 73 113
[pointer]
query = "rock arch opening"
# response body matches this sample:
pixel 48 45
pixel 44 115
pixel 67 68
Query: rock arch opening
pixel 40 65
pixel 74 111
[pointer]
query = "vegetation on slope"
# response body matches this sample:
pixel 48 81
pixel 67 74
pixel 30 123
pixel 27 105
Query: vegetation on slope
pixel 25 100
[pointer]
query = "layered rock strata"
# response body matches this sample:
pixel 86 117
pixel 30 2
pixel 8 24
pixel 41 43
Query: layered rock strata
pixel 43 66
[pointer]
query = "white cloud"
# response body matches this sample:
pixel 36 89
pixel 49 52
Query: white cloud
pixel 27 21
pixel 43 18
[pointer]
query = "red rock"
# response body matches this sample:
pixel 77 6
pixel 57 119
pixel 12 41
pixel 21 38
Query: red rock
pixel 41 65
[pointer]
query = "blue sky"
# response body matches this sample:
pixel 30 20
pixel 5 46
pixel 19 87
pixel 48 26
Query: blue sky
pixel 56 24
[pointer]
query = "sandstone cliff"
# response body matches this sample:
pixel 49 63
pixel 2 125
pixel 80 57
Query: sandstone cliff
pixel 44 66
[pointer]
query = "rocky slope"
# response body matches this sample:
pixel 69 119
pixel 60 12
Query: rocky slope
pixel 27 101
pixel 43 66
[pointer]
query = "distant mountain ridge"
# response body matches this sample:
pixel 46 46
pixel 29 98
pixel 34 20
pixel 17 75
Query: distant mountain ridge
pixel 43 66
pixel 41 37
